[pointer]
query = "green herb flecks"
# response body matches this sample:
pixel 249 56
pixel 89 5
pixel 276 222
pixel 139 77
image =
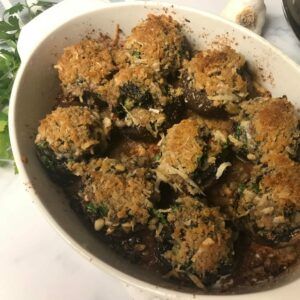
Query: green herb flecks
pixel 241 188
pixel 97 211
pixel 10 27
pixel 255 187
pixel 159 215
pixel 136 54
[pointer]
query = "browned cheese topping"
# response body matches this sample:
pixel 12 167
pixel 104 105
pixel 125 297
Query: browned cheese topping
pixel 83 168
pixel 223 194
pixel 182 146
pixel 157 42
pixel 72 131
pixel 150 120
pixel 271 127
pixel 273 204
pixel 189 144
pixel 200 238
pixel 142 77
pixel 216 72
pixel 86 65
pixel 126 194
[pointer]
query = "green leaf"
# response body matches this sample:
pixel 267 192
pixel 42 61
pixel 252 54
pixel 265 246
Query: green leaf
pixel 5 151
pixel 3 125
pixel 14 22
pixel 14 9
pixel 4 26
pixel 45 4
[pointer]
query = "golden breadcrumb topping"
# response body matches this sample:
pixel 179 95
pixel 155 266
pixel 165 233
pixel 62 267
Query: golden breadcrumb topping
pixel 272 204
pixel 150 120
pixel 192 145
pixel 142 77
pixel 200 238
pixel 126 194
pixel 86 65
pixel 72 131
pixel 157 42
pixel 272 127
pixel 217 73
pixel 223 194
pixel 83 168
pixel 183 146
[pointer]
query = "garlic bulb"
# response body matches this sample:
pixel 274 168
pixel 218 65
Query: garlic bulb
pixel 248 13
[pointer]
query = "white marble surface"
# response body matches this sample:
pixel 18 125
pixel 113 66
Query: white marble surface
pixel 35 262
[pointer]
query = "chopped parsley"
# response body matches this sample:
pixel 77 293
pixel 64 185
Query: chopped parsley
pixel 255 187
pixel 136 54
pixel 97 210
pixel 241 188
pixel 159 215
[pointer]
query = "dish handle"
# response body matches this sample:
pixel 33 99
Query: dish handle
pixel 34 31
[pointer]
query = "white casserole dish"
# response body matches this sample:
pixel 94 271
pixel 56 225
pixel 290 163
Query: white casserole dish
pixel 36 86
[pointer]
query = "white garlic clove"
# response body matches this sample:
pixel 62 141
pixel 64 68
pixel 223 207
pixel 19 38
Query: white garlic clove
pixel 248 13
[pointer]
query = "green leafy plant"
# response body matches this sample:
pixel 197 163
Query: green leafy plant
pixel 10 27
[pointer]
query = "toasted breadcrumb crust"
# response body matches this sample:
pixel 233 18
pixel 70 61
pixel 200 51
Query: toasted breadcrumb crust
pixel 271 127
pixel 86 65
pixel 142 77
pixel 201 242
pixel 183 146
pixel 217 74
pixel 143 118
pixel 72 132
pixel 192 144
pixel 83 168
pixel 125 193
pixel 270 203
pixel 223 195
pixel 157 42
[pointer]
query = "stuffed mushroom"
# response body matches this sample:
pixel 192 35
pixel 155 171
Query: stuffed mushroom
pixel 71 133
pixel 215 80
pixel 194 154
pixel 159 43
pixel 115 197
pixel 85 66
pixel 143 103
pixel 267 127
pixel 200 244
pixel 269 204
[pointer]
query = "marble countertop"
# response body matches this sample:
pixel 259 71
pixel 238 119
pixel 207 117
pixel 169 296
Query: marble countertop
pixel 36 263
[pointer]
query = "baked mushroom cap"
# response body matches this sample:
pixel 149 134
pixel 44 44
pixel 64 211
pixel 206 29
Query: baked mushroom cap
pixel 224 193
pixel 74 132
pixel 157 42
pixel 215 80
pixel 193 154
pixel 269 204
pixel 86 65
pixel 116 196
pixel 267 127
pixel 201 244
pixel 145 106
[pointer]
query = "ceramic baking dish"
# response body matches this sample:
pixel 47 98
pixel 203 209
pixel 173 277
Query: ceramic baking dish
pixel 36 86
